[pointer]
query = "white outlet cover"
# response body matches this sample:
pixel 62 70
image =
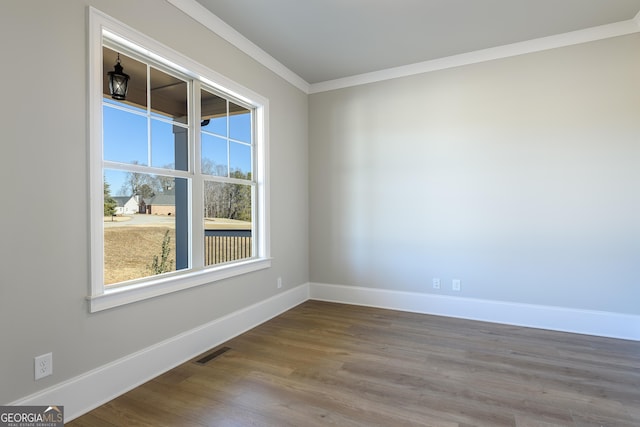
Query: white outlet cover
pixel 43 366
pixel 455 284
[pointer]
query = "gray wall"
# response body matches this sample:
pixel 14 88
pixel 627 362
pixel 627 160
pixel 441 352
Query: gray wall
pixel 518 176
pixel 44 265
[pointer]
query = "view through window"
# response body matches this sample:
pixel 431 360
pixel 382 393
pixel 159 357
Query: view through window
pixel 165 170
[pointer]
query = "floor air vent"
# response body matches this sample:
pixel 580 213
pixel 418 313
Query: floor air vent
pixel 209 357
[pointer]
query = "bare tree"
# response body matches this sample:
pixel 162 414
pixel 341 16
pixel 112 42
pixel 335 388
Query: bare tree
pixel 145 184
pixel 226 200
pixel 134 181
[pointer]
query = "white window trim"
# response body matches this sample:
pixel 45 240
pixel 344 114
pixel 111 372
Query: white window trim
pixel 101 298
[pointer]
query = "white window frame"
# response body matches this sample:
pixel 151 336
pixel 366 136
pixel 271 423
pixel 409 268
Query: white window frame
pixel 101 297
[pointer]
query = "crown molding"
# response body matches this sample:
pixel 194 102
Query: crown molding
pixel 521 48
pixel 198 12
pixel 202 15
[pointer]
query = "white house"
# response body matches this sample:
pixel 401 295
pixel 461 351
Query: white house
pixel 126 205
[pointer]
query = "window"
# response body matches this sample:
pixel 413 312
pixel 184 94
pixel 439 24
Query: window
pixel 177 168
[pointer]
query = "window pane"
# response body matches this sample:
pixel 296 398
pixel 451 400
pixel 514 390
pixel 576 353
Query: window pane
pixel 169 146
pixel 214 113
pixel 228 226
pixel 141 229
pixel 239 123
pixel 118 182
pixel 168 96
pixel 137 72
pixel 240 160
pixel 214 155
pixel 125 136
pixel 217 125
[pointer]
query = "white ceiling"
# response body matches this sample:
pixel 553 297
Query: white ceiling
pixel 323 40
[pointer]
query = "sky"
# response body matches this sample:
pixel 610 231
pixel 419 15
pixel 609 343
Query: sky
pixel 125 140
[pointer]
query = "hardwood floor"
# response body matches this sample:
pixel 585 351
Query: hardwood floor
pixel 332 364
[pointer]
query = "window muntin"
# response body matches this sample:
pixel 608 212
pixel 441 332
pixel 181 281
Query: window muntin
pixel 146 158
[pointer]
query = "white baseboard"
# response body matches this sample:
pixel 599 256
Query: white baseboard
pixel 85 392
pixel 94 388
pixel 598 323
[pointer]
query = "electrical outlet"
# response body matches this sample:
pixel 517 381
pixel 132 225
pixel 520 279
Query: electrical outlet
pixel 43 366
pixel 436 283
pixel 455 284
pixel 279 282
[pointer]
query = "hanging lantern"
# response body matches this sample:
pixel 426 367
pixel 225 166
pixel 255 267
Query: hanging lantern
pixel 118 82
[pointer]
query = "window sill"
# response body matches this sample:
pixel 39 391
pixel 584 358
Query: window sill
pixel 122 295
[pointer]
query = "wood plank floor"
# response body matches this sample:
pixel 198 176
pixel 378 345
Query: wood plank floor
pixel 332 364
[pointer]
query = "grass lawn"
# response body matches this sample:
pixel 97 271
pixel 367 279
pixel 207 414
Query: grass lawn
pixel 129 249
